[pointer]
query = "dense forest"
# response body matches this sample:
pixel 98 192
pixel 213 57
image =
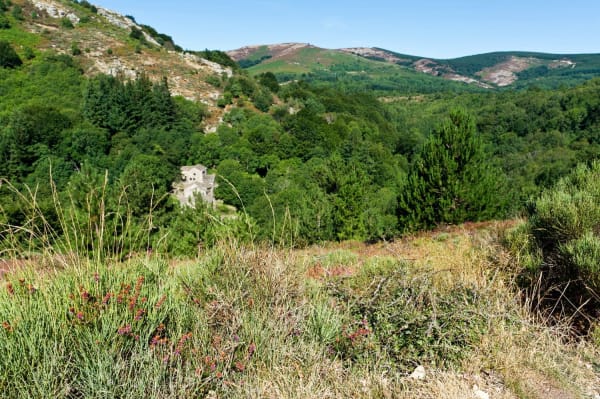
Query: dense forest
pixel 302 162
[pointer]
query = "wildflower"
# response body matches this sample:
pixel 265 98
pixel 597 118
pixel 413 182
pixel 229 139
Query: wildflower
pixel 160 302
pixel 132 302
pixel 138 285
pixel 155 341
pixel 181 343
pixel 165 359
pixel 96 277
pixel 31 288
pixel 6 325
pixel 10 289
pixel 239 366
pixel 79 315
pixel 106 298
pixel 219 375
pixel 251 350
pixel 139 314
pixel 85 296
pixel 124 330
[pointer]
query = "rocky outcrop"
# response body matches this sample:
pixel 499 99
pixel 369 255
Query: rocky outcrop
pixel 55 10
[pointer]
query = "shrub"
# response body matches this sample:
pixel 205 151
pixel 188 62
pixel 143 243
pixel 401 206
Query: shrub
pixel 4 23
pixel 17 13
pixel 66 23
pixel 8 56
pixel 411 322
pixel 564 231
pixel 75 50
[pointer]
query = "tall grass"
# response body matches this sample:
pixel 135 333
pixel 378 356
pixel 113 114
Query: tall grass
pixel 79 317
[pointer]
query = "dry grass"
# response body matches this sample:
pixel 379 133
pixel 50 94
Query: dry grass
pixel 520 356
pixel 278 300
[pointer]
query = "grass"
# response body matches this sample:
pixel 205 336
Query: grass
pixel 341 320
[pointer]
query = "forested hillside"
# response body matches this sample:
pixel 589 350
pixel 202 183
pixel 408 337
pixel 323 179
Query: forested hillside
pixel 303 162
pixel 378 232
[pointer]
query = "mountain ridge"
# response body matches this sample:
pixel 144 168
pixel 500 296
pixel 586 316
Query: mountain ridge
pixel 488 70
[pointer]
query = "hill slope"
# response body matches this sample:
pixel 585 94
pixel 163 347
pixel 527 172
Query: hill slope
pixel 492 70
pixel 103 41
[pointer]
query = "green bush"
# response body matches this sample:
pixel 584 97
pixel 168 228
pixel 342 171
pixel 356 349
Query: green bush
pixel 17 13
pixel 4 22
pixel 409 321
pixel 8 56
pixel 66 23
pixel 563 233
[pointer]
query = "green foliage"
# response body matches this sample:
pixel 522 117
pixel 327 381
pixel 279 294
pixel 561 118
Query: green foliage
pixel 17 13
pixel 8 56
pixel 409 321
pixel 28 53
pixel 449 181
pixel 66 23
pixel 129 105
pixel 89 6
pixel 220 57
pixel 75 50
pixel 563 225
pixel 269 80
pixel 137 34
pixel 4 22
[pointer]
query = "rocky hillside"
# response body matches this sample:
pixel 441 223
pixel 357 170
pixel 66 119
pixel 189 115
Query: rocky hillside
pixel 103 41
pixel 492 70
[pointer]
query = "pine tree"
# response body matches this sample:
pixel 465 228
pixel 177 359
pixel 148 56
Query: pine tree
pixel 450 181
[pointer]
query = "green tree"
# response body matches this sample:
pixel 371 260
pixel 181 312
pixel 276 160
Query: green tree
pixel 146 182
pixel 450 180
pixel 8 56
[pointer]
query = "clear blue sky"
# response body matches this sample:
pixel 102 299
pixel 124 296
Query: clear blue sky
pixel 432 28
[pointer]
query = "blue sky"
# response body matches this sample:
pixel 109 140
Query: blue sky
pixel 432 28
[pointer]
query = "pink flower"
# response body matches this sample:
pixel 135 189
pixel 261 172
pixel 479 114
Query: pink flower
pixel 124 330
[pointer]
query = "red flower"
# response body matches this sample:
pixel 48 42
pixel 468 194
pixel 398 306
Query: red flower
pixel 239 366
pixel 139 314
pixel 124 330
pixel 160 302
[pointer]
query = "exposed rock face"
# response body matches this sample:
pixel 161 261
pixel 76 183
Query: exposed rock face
pixel 505 74
pixel 55 10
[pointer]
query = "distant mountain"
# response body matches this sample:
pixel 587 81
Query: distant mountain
pixel 489 71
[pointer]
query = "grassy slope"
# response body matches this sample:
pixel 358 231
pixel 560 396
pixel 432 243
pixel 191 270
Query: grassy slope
pixel 257 322
pixel 331 66
pixel 317 60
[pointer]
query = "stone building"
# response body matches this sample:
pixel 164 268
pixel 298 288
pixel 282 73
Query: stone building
pixel 195 180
